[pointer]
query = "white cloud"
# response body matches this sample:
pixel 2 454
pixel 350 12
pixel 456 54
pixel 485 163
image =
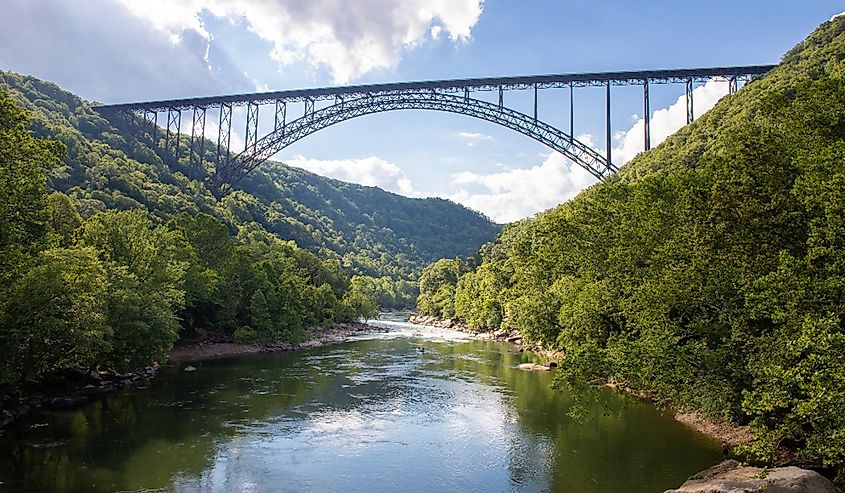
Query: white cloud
pixel 518 193
pixel 664 122
pixel 370 171
pixel 512 195
pixel 350 38
pixel 473 138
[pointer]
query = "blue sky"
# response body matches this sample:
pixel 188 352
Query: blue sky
pixel 127 50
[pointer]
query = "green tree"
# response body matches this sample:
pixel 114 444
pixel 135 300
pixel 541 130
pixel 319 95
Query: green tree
pixel 23 198
pixel 54 316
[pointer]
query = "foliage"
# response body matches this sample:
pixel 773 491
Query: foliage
pixel 111 164
pixel 117 289
pixel 710 271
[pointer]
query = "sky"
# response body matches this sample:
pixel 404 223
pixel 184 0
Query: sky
pixel 116 51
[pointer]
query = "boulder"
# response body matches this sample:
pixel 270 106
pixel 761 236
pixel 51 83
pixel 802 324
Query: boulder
pixel 67 402
pixel 732 477
pixel 533 367
pixel 189 369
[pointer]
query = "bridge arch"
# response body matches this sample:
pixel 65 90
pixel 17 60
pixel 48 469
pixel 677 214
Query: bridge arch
pixel 343 110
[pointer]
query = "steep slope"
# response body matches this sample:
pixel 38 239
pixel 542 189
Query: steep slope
pixel 710 272
pixel 110 165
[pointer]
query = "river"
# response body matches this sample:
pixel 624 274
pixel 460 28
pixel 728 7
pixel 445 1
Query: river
pixel 370 415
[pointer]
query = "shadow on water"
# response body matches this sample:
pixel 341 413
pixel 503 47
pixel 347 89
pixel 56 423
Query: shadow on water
pixel 369 415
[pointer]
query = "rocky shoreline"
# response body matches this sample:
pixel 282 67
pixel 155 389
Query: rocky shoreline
pixel 203 350
pixel 72 387
pixel 731 476
pixel 76 387
pixel 513 336
pixel 729 434
pixel 727 477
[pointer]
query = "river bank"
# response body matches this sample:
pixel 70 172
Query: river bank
pixel 514 337
pixel 203 350
pixel 727 433
pixel 74 387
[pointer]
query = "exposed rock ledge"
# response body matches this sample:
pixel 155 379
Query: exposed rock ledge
pixel 732 477
pixel 512 336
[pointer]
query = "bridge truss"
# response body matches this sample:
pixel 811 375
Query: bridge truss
pixel 453 96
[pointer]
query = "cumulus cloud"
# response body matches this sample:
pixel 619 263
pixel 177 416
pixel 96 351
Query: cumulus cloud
pixel 350 38
pixel 518 193
pixel 664 122
pixel 100 50
pixel 512 195
pixel 370 171
pixel 118 50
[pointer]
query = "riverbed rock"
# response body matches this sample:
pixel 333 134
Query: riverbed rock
pixel 733 477
pixel 67 402
pixel 189 369
pixel 533 367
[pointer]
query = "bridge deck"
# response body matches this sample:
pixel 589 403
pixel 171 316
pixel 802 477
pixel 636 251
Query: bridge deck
pixel 457 86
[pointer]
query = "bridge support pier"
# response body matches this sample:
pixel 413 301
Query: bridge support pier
pixel 690 113
pixel 197 138
pixel 174 122
pixel 608 136
pixel 646 117
pixel 251 127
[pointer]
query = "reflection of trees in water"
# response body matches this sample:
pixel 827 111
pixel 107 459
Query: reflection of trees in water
pixel 615 438
pixel 145 439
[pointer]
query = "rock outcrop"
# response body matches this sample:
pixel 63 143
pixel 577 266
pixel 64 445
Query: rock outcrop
pixel 733 477
pixel 534 367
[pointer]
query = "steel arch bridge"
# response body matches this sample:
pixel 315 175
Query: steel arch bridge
pixel 452 96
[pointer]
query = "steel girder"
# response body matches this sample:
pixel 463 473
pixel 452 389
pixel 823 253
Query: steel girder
pixel 319 119
pixel 460 86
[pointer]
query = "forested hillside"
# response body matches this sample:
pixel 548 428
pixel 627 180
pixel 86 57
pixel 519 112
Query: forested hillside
pixel 115 290
pixel 710 271
pixel 112 165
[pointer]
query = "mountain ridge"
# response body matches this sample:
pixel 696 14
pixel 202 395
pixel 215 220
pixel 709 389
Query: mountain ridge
pixel 111 164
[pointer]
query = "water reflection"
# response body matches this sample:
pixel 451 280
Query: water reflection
pixel 370 415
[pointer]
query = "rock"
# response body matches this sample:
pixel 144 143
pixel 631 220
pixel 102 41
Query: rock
pixel 732 477
pixel 67 402
pixel 189 369
pixel 533 367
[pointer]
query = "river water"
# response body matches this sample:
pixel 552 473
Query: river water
pixel 370 415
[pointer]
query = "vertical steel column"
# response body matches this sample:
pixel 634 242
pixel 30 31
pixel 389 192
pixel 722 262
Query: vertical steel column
pixel 571 112
pixel 224 135
pixel 647 113
pixel 690 112
pixel 732 85
pixel 151 116
pixel 535 102
pixel 198 134
pixel 608 136
pixel 309 106
pixel 281 116
pixel 501 97
pixel 251 126
pixel 174 123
